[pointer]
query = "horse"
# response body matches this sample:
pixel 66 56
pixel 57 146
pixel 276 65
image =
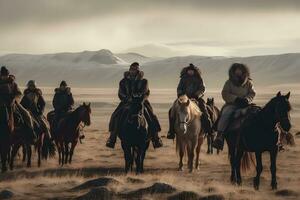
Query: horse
pixel 68 130
pixel 189 133
pixel 257 134
pixel 133 134
pixel 22 136
pixel 5 134
pixel 214 114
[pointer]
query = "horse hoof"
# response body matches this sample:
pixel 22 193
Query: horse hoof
pixel 190 171
pixel 180 169
pixel 274 186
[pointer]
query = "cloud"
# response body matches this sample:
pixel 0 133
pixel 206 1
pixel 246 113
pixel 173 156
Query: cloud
pixel 191 26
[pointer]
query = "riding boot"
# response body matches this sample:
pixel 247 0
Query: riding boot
pixel 111 141
pixel 171 132
pixel 205 118
pixel 156 140
pixel 219 141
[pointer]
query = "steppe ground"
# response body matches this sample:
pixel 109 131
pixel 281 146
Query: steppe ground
pixel 92 160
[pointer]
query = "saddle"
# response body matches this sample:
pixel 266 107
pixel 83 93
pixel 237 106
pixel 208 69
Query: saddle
pixel 241 116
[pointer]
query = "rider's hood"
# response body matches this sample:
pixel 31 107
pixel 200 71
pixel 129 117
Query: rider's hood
pixel 197 71
pixel 245 76
pixel 36 90
pixel 11 79
pixel 139 76
pixel 67 90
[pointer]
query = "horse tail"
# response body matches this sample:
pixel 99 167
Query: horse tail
pixel 247 161
pixel 48 148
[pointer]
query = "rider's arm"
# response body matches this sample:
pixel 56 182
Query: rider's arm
pixel 146 92
pixel 180 88
pixel 228 97
pixel 55 102
pixel 122 91
pixel 251 92
pixel 41 103
pixel 71 99
pixel 201 89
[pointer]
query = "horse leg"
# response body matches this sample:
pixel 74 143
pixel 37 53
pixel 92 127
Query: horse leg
pixel 29 152
pixel 73 145
pixel 198 148
pixel 259 168
pixel 181 154
pixel 62 153
pixel 208 144
pixel 138 160
pixel 127 157
pixel 238 161
pixel 143 158
pixel 14 152
pixel 4 155
pixel 232 163
pixel 39 148
pixel 273 157
pixel 24 153
pixel 66 152
pixel 191 154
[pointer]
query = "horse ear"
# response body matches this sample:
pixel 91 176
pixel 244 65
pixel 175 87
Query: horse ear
pixel 84 104
pixel 188 102
pixel 213 100
pixel 89 105
pixel 278 94
pixel 288 95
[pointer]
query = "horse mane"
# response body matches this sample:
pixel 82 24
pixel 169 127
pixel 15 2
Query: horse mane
pixel 193 107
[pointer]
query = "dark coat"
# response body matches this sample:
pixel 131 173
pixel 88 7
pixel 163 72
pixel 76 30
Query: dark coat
pixel 33 101
pixel 9 90
pixel 63 100
pixel 129 87
pixel 193 86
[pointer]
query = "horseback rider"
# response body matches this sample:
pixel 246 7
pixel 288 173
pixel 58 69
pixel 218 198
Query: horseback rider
pixel 133 81
pixel 14 113
pixel 192 85
pixel 62 102
pixel 238 93
pixel 34 102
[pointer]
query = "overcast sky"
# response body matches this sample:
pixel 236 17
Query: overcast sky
pixel 152 27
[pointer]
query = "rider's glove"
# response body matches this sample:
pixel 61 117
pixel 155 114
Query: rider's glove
pixel 241 102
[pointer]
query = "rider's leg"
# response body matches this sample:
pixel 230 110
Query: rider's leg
pixel 113 124
pixel 28 121
pixel 154 126
pixel 205 116
pixel 171 132
pixel 222 126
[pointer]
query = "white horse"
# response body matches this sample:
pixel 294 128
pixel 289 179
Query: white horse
pixel 189 135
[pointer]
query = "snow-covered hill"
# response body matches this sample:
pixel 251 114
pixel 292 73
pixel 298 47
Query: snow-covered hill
pixel 104 69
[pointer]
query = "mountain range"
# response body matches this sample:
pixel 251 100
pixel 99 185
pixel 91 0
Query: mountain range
pixel 104 69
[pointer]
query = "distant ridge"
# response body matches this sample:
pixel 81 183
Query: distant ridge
pixel 104 69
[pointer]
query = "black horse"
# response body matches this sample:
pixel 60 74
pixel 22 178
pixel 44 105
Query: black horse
pixel 214 114
pixel 134 135
pixel 258 134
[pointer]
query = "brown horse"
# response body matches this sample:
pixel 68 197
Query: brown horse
pixel 68 131
pixel 189 134
pixel 214 114
pixel 22 137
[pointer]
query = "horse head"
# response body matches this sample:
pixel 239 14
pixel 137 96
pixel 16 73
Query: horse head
pixel 85 113
pixel 281 108
pixel 183 113
pixel 210 102
pixel 136 111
